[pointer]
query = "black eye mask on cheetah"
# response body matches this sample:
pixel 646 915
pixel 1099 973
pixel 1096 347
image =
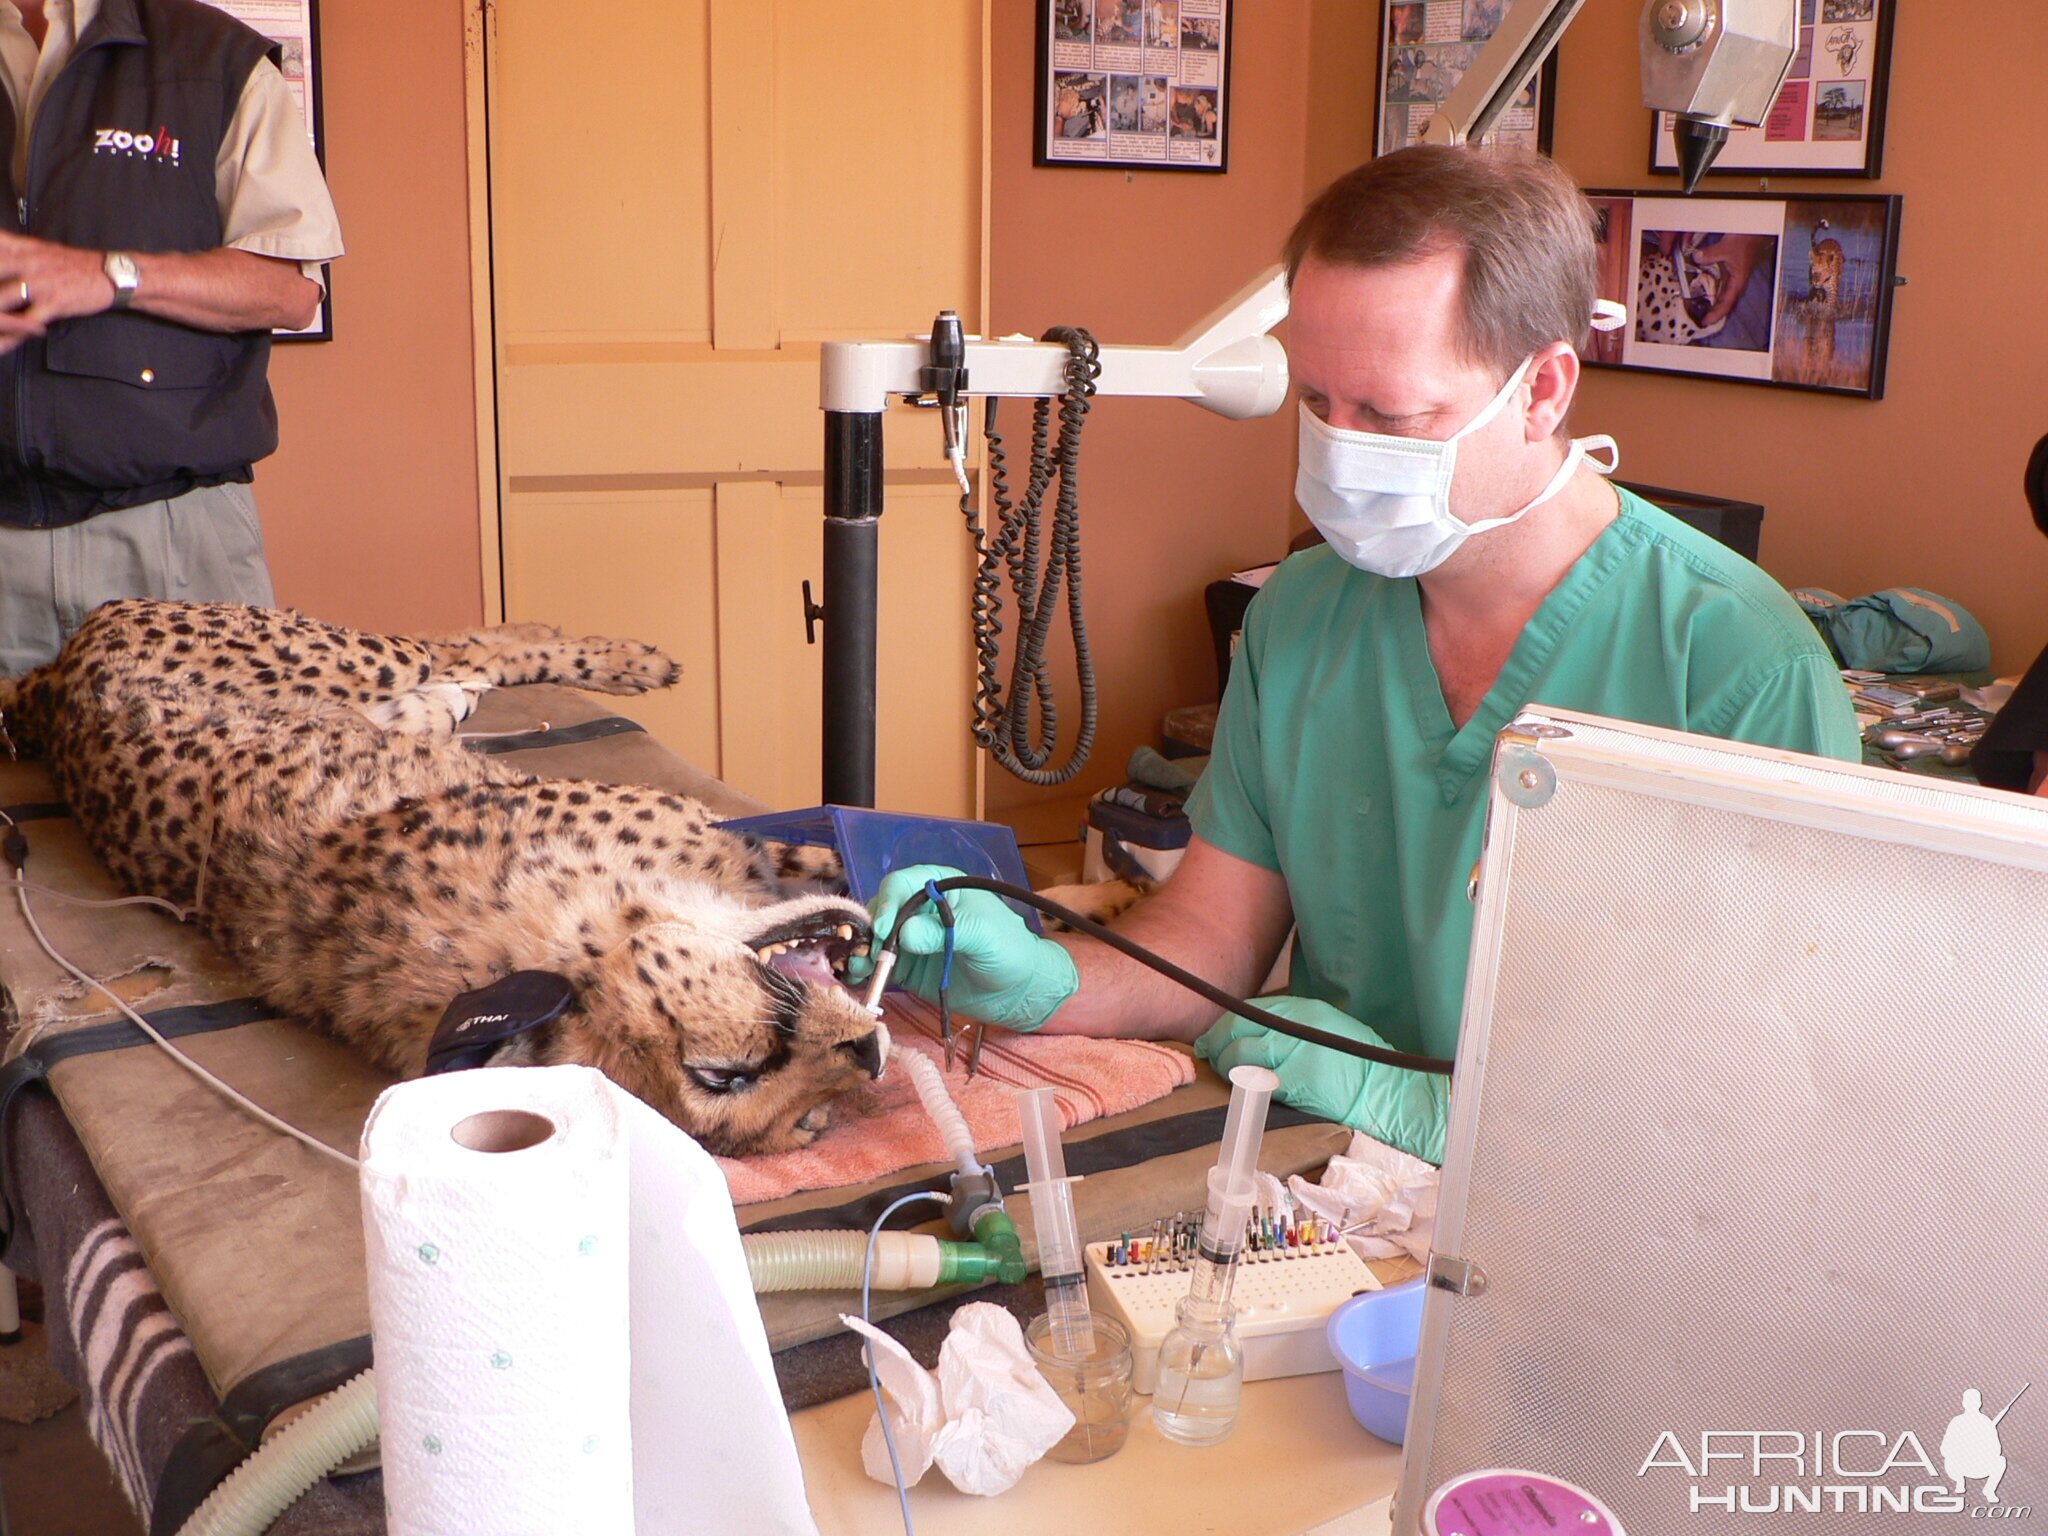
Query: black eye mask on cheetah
pixel 477 1023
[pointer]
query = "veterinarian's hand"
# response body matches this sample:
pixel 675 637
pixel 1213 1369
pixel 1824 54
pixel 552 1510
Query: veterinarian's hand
pixel 1740 257
pixel 1404 1109
pixel 1003 973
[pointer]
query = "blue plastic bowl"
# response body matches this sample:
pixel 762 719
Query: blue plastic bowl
pixel 1374 1337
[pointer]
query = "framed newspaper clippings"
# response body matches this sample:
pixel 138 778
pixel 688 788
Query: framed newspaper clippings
pixel 1792 291
pixel 1131 84
pixel 294 27
pixel 1425 48
pixel 1828 119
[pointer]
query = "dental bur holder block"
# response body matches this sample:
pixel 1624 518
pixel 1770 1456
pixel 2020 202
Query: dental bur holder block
pixel 873 844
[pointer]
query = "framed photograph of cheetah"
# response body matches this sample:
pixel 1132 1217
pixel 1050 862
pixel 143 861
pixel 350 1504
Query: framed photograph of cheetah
pixel 1828 119
pixel 1749 286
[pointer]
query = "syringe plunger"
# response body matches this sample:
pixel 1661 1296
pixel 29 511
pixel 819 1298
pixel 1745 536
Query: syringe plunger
pixel 1038 1113
pixel 1233 1184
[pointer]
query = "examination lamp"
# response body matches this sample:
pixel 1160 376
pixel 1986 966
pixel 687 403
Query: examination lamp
pixel 1714 63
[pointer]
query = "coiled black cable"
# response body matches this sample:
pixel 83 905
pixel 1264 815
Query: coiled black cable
pixel 1019 726
pixel 1384 1055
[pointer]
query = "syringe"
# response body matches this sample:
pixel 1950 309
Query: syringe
pixel 1201 1370
pixel 1233 1185
pixel 1052 1215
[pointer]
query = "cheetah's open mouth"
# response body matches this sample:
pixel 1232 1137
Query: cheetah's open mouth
pixel 815 948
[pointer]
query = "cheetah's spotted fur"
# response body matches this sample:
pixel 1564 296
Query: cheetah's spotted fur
pixel 297 785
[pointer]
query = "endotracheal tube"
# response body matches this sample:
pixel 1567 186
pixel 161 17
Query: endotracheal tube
pixel 1201 1366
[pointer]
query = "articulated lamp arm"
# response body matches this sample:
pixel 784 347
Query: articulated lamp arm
pixel 1227 363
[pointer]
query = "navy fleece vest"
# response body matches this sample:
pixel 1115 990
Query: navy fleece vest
pixel 115 409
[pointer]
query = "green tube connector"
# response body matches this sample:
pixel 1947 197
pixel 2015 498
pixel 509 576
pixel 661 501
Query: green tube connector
pixel 1005 1250
pixel 967 1264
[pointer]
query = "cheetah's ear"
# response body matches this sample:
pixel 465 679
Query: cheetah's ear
pixel 479 1022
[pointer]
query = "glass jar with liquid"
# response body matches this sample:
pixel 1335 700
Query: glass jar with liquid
pixel 1095 1385
pixel 1201 1374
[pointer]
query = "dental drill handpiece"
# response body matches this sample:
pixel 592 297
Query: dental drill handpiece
pixel 885 962
pixel 945 378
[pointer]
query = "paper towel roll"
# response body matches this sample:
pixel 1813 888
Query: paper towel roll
pixel 565 1335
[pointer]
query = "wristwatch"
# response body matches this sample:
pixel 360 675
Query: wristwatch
pixel 125 275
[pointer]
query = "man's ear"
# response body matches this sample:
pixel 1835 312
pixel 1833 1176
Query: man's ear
pixel 1553 380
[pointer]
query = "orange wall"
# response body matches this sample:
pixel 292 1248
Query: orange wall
pixel 1922 487
pixel 1172 497
pixel 370 503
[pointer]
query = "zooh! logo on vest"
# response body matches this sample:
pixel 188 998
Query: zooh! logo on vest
pixel 160 145
pixel 1861 1471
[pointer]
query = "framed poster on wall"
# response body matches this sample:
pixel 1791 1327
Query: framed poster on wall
pixel 294 26
pixel 1828 119
pixel 1134 84
pixel 1771 290
pixel 1425 48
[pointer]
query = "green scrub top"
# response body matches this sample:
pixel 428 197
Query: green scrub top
pixel 1336 763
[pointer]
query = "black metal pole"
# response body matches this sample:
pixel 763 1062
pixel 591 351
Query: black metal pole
pixel 853 509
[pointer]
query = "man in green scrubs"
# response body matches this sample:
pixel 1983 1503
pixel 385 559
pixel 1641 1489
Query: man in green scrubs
pixel 1476 562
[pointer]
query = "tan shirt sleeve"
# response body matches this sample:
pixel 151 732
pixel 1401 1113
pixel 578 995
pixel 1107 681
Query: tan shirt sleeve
pixel 273 198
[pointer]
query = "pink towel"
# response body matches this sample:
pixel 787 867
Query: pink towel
pixel 881 1129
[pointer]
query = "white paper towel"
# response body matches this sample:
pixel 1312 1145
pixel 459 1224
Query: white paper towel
pixel 566 1338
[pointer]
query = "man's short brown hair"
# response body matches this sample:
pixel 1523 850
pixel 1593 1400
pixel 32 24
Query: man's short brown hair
pixel 1531 270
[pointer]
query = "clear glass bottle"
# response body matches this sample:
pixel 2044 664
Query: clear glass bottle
pixel 1201 1373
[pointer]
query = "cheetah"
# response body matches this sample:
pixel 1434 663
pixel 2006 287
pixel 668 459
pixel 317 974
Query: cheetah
pixel 1824 263
pixel 297 787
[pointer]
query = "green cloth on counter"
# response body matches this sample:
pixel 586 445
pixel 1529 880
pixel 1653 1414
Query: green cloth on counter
pixel 1155 770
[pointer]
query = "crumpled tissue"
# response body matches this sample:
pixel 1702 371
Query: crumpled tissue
pixel 911 1403
pixel 1386 1197
pixel 986 1416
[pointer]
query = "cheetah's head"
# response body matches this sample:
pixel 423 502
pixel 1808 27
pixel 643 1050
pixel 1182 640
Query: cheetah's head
pixel 730 1019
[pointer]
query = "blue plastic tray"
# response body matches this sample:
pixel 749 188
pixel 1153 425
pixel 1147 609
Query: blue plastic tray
pixel 872 844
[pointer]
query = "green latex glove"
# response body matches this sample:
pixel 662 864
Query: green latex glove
pixel 1404 1109
pixel 1003 973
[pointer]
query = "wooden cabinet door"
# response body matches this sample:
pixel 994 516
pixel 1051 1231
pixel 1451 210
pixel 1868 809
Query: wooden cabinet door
pixel 686 199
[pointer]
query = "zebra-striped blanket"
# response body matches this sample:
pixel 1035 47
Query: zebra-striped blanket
pixel 112 1336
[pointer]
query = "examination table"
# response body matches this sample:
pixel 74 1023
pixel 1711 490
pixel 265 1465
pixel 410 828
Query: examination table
pixel 204 1277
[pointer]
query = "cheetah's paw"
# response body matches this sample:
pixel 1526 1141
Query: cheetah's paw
pixel 621 666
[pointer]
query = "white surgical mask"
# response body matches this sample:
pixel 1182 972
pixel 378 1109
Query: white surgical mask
pixel 1384 503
